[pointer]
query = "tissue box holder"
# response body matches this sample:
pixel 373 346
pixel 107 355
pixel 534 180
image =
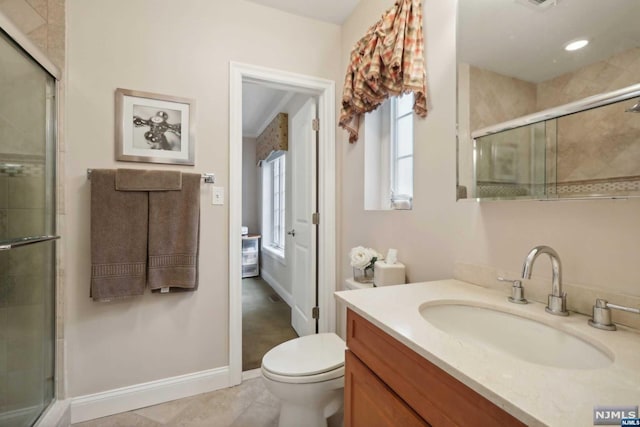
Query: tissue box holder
pixel 388 274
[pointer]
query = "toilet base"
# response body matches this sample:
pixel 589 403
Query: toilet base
pixel 307 405
pixel 292 415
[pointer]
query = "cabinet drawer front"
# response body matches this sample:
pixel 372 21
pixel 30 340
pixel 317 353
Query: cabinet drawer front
pixel 370 403
pixel 250 270
pixel 431 392
pixel 249 258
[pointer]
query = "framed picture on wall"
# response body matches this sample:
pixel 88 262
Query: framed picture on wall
pixel 505 162
pixel 154 128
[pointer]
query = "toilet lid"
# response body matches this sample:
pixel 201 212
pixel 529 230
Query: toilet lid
pixel 309 355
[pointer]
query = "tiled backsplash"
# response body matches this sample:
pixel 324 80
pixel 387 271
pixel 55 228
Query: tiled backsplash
pixel 623 186
pixel 580 298
pixel 605 186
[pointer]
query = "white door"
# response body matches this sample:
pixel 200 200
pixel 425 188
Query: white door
pixel 302 236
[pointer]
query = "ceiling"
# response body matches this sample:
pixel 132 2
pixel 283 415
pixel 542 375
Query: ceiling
pixel 515 39
pixel 260 104
pixel 334 11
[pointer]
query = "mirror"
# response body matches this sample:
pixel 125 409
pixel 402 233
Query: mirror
pixel 538 121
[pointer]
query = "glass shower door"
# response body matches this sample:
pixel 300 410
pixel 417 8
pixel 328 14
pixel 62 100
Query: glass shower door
pixel 27 241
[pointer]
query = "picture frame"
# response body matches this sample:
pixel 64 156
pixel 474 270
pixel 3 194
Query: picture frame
pixel 154 128
pixel 505 162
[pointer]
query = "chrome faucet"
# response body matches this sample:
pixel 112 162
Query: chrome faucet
pixel 557 302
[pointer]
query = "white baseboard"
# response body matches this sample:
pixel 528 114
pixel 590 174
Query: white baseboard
pixel 251 374
pixel 138 396
pixel 286 296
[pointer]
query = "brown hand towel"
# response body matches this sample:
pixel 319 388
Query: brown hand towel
pixel 147 180
pixel 174 232
pixel 119 222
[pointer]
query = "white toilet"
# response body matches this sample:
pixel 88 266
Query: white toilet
pixel 307 375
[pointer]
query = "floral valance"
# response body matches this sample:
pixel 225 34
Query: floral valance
pixel 275 137
pixel 387 61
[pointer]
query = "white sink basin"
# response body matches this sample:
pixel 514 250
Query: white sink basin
pixel 523 338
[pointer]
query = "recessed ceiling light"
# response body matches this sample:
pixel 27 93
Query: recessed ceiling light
pixel 575 45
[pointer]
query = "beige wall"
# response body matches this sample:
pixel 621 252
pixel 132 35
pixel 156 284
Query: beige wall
pixel 598 240
pixel 183 49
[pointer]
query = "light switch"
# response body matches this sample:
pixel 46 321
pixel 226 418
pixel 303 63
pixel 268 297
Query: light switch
pixel 217 196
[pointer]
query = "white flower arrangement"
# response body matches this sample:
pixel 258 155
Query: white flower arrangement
pixel 364 258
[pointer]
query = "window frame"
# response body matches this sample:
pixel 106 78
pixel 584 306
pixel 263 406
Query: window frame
pixel 394 158
pixel 278 203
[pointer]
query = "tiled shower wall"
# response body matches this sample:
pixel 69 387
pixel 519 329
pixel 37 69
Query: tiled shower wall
pixel 496 98
pixel 612 132
pixel 44 22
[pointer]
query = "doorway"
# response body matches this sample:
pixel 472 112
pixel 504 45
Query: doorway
pixel 279 180
pixel 323 93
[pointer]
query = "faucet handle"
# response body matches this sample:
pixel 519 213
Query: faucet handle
pixel 517 291
pixel 602 314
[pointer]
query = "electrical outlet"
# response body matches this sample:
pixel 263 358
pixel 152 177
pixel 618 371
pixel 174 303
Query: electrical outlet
pixel 217 195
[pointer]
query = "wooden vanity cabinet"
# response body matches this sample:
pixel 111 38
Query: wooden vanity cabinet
pixel 388 384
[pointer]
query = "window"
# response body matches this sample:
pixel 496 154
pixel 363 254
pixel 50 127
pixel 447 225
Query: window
pixel 274 204
pixel 388 139
pixel 401 148
pixel 277 202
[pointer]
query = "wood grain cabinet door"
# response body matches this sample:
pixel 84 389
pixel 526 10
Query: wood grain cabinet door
pixel 370 403
pixel 432 393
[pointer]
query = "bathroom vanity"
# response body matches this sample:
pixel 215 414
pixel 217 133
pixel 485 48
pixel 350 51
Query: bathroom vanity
pixel 406 388
pixel 404 366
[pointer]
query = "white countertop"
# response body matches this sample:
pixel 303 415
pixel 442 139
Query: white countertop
pixel 535 394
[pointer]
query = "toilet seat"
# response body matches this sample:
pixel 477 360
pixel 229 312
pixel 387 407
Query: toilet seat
pixel 308 359
pixel 304 379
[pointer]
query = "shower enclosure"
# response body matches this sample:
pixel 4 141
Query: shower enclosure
pixel 27 236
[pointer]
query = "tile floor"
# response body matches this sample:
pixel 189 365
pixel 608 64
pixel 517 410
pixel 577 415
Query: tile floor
pixel 247 405
pixel 266 321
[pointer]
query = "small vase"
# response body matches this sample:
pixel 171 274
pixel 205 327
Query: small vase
pixel 363 276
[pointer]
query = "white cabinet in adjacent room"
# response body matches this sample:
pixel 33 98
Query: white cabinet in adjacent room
pixel 250 255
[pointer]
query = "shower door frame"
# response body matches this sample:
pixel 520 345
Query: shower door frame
pixel 57 410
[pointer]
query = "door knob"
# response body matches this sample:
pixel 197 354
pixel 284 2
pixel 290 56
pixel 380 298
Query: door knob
pixel 292 233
